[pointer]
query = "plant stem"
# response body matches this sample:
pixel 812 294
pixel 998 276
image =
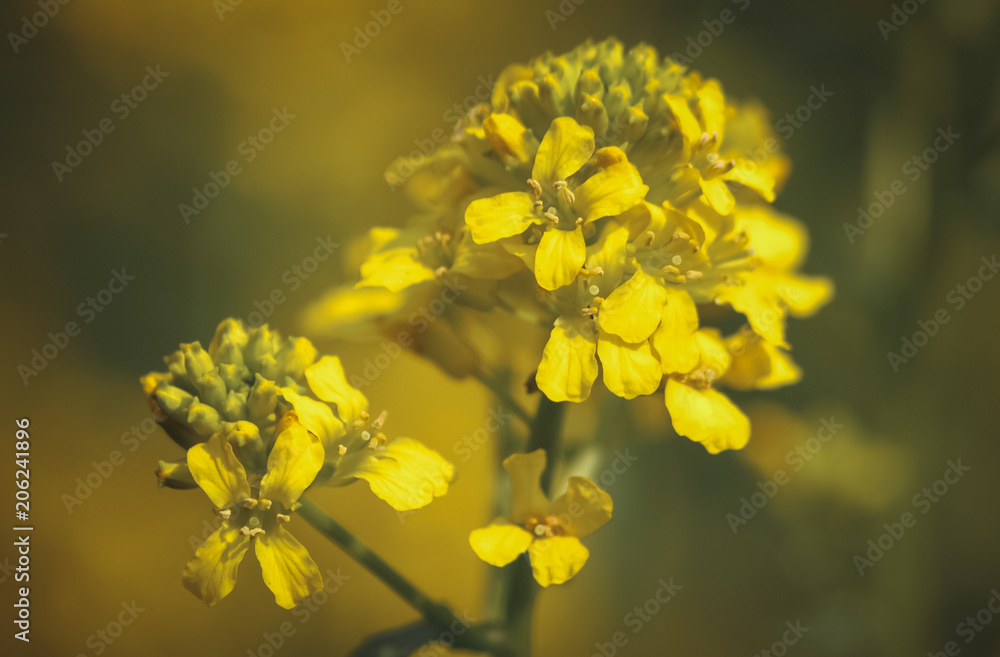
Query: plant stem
pixel 501 392
pixel 546 433
pixel 438 614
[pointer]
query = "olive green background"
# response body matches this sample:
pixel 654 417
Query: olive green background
pixel 322 176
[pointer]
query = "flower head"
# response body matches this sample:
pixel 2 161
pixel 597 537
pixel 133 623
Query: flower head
pixel 254 510
pixel 549 532
pixel 249 382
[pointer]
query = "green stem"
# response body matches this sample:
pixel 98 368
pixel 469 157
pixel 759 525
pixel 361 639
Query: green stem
pixel 500 391
pixel 438 614
pixel 546 433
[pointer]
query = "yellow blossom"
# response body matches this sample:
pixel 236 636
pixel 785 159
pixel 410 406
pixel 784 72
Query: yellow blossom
pixel 254 513
pixel 549 532
pixel 561 206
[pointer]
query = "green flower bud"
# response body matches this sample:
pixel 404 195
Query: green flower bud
pixel 263 399
pixel 197 362
pixel 174 474
pixel 204 419
pixel 210 388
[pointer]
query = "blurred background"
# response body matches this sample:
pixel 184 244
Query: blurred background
pixel 216 73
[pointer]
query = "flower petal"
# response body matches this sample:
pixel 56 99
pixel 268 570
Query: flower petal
pixel 565 148
pixel 707 417
pixel 555 560
pixel 506 135
pixel 777 240
pixel 585 504
pixel 718 194
pixel 288 570
pixel 316 416
pixel 500 216
pixel 211 574
pixel 218 472
pixel 610 192
pixel 569 362
pixel 757 301
pixel 712 106
pixel 674 339
pixel 499 544
pixel 629 368
pixel 327 380
pixel 559 257
pixel 758 364
pixel 405 473
pixel 490 261
pixel 632 312
pixel 527 498
pixel 294 462
pixel 686 120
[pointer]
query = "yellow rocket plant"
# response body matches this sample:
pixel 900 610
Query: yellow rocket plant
pixel 618 206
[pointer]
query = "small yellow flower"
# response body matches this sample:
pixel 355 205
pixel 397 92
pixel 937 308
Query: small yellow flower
pixel 699 411
pixel 549 531
pixel 253 511
pixel 559 204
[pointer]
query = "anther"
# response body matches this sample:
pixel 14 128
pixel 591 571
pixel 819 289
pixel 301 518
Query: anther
pixel 225 514
pixel 341 449
pixel 536 187
pixel 250 503
pixel 282 518
pixel 693 274
pixel 380 420
pixel 265 503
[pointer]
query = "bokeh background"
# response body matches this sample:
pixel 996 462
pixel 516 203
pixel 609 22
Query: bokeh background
pixel 230 66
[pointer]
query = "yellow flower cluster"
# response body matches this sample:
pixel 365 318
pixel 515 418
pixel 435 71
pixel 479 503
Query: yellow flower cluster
pixel 612 194
pixel 262 419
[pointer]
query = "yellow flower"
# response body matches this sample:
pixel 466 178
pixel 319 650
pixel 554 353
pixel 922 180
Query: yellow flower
pixel 253 510
pixel 549 531
pixel 401 471
pixel 764 295
pixel 697 410
pixel 758 364
pixel 249 380
pixel 562 206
